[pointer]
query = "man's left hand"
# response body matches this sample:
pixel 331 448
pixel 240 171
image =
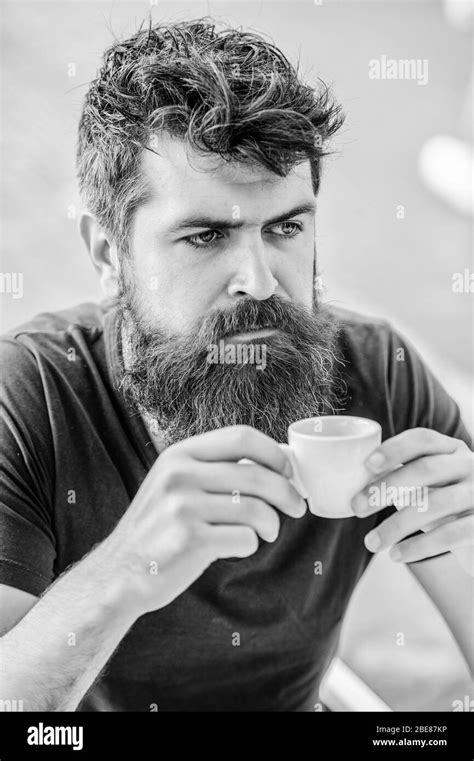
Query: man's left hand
pixel 434 487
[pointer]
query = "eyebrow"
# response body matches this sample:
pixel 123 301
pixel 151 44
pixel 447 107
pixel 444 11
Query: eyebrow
pixel 226 224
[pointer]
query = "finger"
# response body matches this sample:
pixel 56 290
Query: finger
pixel 409 484
pixel 234 443
pixel 249 511
pixel 407 446
pixel 252 481
pixel 231 541
pixel 453 535
pixel 438 504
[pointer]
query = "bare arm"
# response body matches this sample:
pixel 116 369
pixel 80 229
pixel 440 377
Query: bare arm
pixel 452 591
pixel 55 653
pixel 434 533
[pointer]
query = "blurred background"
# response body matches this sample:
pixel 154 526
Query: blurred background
pixel 394 222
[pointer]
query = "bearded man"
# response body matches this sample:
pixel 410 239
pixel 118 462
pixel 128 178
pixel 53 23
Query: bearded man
pixel 143 566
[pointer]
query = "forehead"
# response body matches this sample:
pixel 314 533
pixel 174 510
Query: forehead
pixel 178 175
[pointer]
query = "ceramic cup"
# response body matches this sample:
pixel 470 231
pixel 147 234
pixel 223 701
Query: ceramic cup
pixel 328 454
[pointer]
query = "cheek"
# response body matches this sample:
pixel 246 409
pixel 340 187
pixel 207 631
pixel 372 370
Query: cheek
pixel 174 295
pixel 295 275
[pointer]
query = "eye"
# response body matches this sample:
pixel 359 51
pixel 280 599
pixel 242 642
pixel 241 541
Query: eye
pixel 288 229
pixel 206 239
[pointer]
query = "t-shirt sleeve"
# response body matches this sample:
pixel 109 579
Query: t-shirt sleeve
pixel 417 398
pixel 27 544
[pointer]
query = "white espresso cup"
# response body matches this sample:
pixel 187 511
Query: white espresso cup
pixel 327 454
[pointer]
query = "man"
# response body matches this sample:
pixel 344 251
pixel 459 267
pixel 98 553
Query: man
pixel 154 553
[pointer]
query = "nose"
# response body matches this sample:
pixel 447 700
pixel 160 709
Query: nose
pixel 252 276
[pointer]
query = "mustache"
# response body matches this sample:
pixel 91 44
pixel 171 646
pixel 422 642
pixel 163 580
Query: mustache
pixel 247 315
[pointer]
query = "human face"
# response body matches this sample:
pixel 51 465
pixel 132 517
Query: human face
pixel 214 233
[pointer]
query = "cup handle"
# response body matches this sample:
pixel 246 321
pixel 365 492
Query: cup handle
pixel 296 478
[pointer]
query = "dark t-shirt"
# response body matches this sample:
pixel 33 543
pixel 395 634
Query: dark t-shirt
pixel 249 634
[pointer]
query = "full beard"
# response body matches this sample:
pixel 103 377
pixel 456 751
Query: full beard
pixel 170 379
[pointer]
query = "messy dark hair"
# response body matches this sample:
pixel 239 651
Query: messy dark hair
pixel 227 92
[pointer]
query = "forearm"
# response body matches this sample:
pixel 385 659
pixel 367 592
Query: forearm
pixel 54 654
pixel 452 591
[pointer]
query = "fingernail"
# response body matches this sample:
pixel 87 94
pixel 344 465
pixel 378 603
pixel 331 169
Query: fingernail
pixel 376 462
pixel 359 504
pixel 373 541
pixel 395 554
pixel 302 510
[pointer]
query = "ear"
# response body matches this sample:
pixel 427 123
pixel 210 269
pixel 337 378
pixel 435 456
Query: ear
pixel 103 254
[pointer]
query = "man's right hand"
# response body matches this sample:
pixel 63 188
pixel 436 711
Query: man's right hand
pixel 196 505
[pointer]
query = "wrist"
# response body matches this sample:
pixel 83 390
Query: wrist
pixel 118 595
